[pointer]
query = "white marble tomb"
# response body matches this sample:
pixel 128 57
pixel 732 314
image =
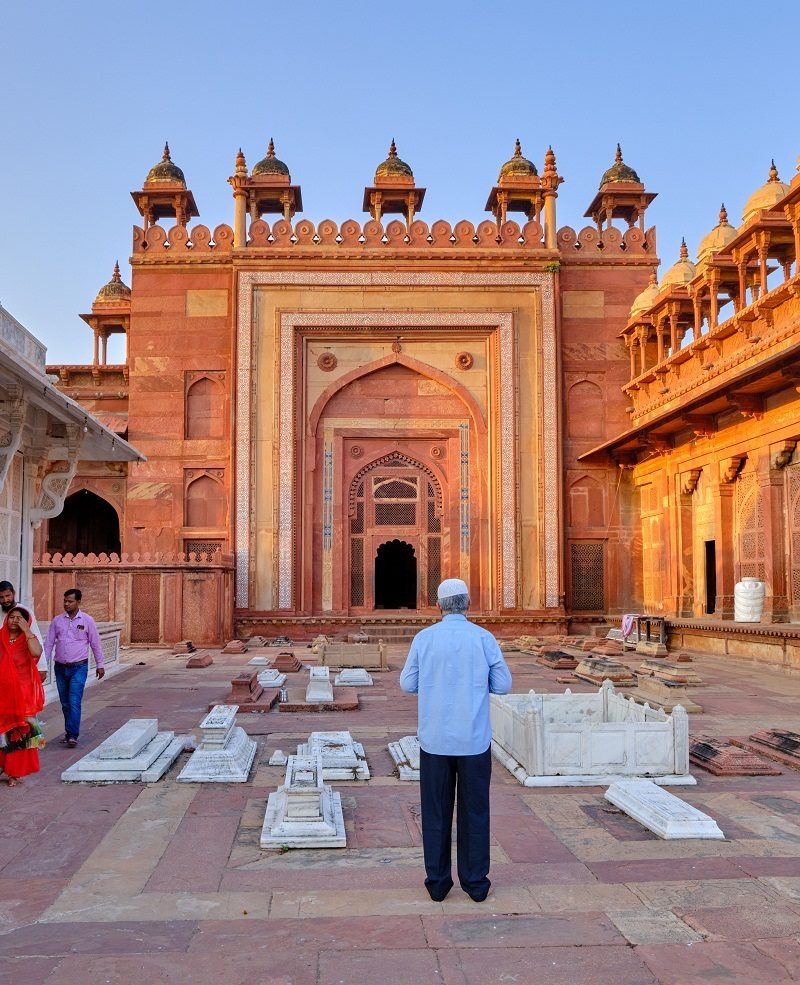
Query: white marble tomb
pixel 304 812
pixel 258 662
pixel 662 812
pixel 319 687
pixel 225 753
pixel 353 677
pixel 405 753
pixel 271 678
pixel 342 759
pixel 135 752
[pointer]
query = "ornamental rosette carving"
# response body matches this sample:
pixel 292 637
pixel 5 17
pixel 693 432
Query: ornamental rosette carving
pixel 356 451
pixel 437 451
pixel 327 362
pixel 465 360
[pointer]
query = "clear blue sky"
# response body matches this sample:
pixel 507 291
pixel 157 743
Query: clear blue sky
pixel 699 94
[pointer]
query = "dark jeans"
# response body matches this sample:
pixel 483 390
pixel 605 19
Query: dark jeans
pixel 442 779
pixel 71 680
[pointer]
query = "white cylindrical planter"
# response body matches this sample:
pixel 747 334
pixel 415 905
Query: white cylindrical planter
pixel 748 600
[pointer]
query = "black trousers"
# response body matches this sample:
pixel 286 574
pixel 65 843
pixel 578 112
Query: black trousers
pixel 442 778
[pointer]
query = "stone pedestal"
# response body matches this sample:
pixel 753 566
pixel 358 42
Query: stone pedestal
pixel 319 687
pixel 287 663
pixel 225 753
pixel 665 695
pixel 199 660
pixel 342 759
pixel 135 752
pixel 556 659
pixel 185 646
pixel 596 670
pixel 662 812
pixel 651 648
pixel 353 677
pixel 248 694
pixel 235 646
pixel 304 812
pixel 665 670
pixel 405 753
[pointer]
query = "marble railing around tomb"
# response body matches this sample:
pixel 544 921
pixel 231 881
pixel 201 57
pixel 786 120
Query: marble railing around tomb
pixel 755 334
pixel 396 235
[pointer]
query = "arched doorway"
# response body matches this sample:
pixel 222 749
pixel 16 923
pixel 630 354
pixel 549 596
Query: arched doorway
pixel 87 525
pixel 395 576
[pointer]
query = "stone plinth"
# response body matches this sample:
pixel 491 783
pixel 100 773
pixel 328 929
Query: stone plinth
pixel 776 744
pixel 596 670
pixel 235 646
pixel 651 648
pixel 342 759
pixel 556 659
pixel 666 695
pixel 346 699
pixel 287 663
pixel 353 677
pixel 725 759
pixel 258 662
pixel 248 694
pixel 587 739
pixel 280 641
pixel 271 678
pixel 319 687
pixel 304 812
pixel 667 670
pixel 660 811
pixel 405 753
pixel 185 646
pixel 370 656
pixel 135 752
pixel 198 660
pixel 225 753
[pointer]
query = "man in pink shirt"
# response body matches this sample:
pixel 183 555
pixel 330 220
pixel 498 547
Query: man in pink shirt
pixel 73 633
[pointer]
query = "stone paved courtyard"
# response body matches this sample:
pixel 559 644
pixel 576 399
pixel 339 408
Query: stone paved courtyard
pixel 166 883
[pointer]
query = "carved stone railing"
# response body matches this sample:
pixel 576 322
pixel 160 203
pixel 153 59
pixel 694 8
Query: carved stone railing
pixel 751 335
pixel 161 558
pixel 21 341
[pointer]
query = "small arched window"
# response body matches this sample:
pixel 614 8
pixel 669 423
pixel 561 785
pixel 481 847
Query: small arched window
pixel 205 503
pixel 585 411
pixel 205 409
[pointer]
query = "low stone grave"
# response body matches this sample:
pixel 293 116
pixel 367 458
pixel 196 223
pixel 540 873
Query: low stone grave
pixel 185 646
pixel 651 648
pixel 342 759
pixel 201 659
pixel 225 753
pixel 258 661
pixel 587 739
pixel 667 670
pixel 287 663
pixel 779 745
pixel 725 759
pixel 556 658
pixel 304 812
pixel 405 753
pixel 280 641
pixel 258 641
pixel 319 687
pixel 660 811
pixel 369 656
pixel 666 695
pixel 270 677
pixel 278 758
pixel 135 752
pixel 235 646
pixel 248 694
pixel 345 699
pixel 360 637
pixel 596 670
pixel 353 677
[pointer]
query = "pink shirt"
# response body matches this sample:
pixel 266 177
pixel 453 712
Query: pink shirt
pixel 72 639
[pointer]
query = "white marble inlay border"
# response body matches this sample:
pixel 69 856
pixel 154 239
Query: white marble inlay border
pixel 503 321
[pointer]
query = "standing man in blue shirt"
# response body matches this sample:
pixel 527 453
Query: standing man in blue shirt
pixel 453 666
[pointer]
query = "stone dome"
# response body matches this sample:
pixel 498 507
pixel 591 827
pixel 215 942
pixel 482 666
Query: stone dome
pixel 271 165
pixel 114 291
pixel 165 170
pixel 619 171
pixel 646 298
pixel 680 273
pixel 393 167
pixel 718 238
pixel 518 165
pixel 767 196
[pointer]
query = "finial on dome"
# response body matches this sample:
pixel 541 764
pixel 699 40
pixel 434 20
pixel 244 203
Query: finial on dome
pixel 271 148
pixel 773 172
pixel 116 275
pixel 518 149
pixel 166 156
pixel 723 215
pixel 392 149
pixel 653 279
pixel 241 163
pixel 684 249
pixel 550 161
pixel 618 155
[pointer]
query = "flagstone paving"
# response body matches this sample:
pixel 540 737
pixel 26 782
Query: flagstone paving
pixel 140 884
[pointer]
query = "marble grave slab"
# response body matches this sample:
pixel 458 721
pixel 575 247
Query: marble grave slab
pixel 225 753
pixel 661 811
pixel 135 752
pixel 405 753
pixel 342 759
pixel 353 677
pixel 304 812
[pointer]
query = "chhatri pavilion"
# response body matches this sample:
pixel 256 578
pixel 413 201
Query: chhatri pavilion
pixel 336 417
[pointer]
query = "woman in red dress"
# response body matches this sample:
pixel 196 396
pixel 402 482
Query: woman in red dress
pixel 21 697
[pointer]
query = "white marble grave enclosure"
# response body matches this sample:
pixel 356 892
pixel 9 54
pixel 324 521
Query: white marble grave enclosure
pixel 662 812
pixel 353 677
pixel 304 812
pixel 135 752
pixel 405 753
pixel 588 739
pixel 342 759
pixel 225 753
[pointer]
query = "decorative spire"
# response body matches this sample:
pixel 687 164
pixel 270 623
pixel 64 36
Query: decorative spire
pixel 723 215
pixel 271 148
pixel 116 275
pixel 550 161
pixel 241 164
pixel 166 156
pixel 653 279
pixel 773 172
pixel 684 249
pixel 392 149
pixel 618 155
pixel 518 149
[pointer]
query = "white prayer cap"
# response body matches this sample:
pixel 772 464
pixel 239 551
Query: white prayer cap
pixel 450 587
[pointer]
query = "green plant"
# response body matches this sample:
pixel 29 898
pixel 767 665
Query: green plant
pixel 553 267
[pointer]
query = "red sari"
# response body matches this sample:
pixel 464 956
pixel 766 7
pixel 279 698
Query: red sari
pixel 21 698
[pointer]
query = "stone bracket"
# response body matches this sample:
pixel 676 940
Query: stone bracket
pixel 689 481
pixel 782 452
pixel 12 439
pixel 56 481
pixel 731 467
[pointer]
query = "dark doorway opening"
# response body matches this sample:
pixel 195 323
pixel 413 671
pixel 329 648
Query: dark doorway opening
pixel 711 576
pixel 86 525
pixel 395 576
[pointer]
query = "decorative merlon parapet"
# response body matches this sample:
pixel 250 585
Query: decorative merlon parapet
pixel 157 559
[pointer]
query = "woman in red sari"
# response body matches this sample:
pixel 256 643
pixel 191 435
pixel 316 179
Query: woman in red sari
pixel 21 697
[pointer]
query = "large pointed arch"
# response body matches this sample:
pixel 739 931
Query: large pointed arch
pixel 413 364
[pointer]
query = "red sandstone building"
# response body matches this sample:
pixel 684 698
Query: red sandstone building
pixel 337 417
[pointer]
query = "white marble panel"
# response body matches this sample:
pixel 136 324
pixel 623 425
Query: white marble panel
pixel 129 740
pixel 663 813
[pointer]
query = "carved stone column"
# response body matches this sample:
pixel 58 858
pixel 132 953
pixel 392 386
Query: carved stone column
pixel 686 484
pixel 773 503
pixel 724 528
